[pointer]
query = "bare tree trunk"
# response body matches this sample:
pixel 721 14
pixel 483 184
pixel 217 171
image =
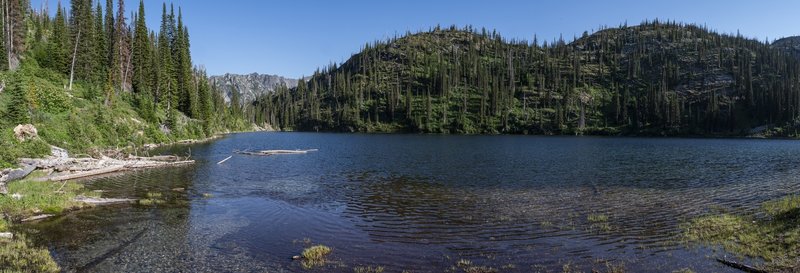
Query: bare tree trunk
pixel 74 56
pixel 9 32
pixel 127 68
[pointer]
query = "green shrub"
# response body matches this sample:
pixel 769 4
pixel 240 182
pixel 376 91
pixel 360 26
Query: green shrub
pixel 19 255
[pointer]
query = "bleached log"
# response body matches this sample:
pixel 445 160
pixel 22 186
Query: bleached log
pixel 84 174
pixel 223 161
pixel 37 217
pixel 103 201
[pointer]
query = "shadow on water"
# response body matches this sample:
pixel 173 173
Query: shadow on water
pixel 425 204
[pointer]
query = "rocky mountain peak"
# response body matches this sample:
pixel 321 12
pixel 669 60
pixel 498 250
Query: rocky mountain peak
pixel 250 85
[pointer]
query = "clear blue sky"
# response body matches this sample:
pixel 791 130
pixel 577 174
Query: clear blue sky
pixel 293 38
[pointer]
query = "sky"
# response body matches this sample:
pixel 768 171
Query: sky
pixel 293 38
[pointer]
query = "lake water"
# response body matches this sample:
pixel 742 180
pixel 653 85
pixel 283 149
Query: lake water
pixel 423 202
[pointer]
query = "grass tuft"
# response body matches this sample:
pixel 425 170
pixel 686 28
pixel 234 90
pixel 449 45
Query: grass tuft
pixel 368 269
pixel 315 256
pixel 18 255
pixel 775 239
pixel 39 197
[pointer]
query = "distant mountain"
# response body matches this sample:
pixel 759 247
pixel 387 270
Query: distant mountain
pixel 790 44
pixel 250 86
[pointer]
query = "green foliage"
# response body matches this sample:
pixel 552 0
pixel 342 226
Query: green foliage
pixel 776 239
pixel 315 256
pixel 17 111
pixel 19 255
pixel 39 197
pixel 14 149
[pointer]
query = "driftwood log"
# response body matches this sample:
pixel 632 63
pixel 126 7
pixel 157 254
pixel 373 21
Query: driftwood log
pixel 741 266
pixel 14 174
pixel 103 201
pixel 276 152
pixel 76 168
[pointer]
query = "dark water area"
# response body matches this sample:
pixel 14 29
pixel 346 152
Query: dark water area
pixel 422 203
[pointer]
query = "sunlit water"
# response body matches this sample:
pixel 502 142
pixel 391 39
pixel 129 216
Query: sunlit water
pixel 422 203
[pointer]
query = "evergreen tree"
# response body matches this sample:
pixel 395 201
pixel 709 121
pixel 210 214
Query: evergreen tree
pixel 17 111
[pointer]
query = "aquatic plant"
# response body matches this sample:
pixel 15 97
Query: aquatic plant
pixel 154 195
pixel 28 198
pixel 612 267
pixel 316 252
pixel 368 269
pixel 18 255
pixel 775 238
pixel 597 218
pixel 153 198
pixel 468 267
pixel 315 256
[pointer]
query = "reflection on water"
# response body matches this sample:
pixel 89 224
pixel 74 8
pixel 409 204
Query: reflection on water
pixel 421 203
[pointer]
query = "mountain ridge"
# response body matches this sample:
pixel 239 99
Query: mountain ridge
pixel 250 85
pixel 657 78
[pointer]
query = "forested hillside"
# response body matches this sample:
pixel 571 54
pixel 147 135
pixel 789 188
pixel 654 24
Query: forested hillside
pixel 657 78
pixel 94 78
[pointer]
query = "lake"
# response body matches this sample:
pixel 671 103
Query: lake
pixel 425 203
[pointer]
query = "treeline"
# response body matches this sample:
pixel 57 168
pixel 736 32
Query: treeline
pixel 661 78
pixel 113 58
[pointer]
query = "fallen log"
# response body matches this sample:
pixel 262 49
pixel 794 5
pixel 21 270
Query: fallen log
pixel 288 152
pixel 155 164
pixel 18 173
pixel 15 175
pixel 741 266
pixel 37 217
pixel 83 174
pixel 277 152
pixel 164 158
pixel 103 201
pixel 223 161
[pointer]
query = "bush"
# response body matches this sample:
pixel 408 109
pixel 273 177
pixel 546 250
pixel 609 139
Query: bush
pixel 18 255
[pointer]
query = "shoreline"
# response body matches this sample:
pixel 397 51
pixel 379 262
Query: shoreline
pixel 64 193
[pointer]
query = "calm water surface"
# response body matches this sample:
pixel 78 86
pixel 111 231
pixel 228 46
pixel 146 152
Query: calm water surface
pixel 422 203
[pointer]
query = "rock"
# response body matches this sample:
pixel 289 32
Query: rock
pixel 296 257
pixel 58 152
pixel 16 196
pixel 164 129
pixel 25 131
pixel 6 235
pixel 249 86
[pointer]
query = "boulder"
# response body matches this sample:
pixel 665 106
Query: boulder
pixel 25 131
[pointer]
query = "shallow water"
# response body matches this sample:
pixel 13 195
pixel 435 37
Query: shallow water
pixel 423 202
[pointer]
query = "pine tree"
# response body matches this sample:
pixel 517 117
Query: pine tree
pixel 58 49
pixel 82 21
pixel 141 54
pixel 166 81
pixel 101 46
pixel 17 110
